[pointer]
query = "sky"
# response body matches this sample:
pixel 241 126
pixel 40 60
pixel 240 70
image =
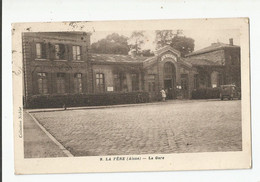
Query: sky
pixel 202 38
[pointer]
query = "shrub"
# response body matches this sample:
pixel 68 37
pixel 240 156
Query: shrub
pixel 206 93
pixel 76 100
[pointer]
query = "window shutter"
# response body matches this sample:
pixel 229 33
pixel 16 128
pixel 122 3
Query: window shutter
pixel 51 51
pixel 43 51
pixel 66 53
pixel 69 48
pixel 47 50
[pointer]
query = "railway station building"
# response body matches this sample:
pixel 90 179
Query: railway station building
pixel 61 63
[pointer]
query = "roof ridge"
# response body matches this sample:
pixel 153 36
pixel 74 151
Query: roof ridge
pixel 212 47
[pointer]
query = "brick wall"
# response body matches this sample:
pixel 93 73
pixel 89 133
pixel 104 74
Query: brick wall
pixel 233 66
pixel 49 65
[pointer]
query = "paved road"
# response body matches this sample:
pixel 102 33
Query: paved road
pixel 171 127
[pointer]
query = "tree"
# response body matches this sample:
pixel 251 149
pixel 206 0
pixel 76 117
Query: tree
pixel 136 40
pixel 176 40
pixel 164 37
pixel 112 44
pixel 183 44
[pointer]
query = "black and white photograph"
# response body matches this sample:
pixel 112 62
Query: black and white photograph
pixel 133 92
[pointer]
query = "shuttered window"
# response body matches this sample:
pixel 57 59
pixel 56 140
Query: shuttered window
pixel 60 51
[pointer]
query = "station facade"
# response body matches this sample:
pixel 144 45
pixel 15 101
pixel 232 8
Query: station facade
pixel 57 63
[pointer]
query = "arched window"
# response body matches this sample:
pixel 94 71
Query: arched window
pixel 169 70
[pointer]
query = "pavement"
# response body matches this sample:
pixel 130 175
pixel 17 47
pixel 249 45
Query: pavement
pixel 36 143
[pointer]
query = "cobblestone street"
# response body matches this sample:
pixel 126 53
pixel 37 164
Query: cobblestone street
pixel 171 127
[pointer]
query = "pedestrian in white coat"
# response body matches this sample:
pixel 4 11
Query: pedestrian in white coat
pixel 163 94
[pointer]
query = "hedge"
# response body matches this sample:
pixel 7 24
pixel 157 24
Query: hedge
pixel 206 93
pixel 76 100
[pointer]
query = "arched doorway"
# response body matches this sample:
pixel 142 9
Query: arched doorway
pixel 169 78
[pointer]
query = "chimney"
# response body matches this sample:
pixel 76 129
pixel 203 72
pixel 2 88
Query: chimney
pixel 231 41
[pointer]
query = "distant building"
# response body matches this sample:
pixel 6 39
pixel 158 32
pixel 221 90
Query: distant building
pixel 58 63
pixel 216 65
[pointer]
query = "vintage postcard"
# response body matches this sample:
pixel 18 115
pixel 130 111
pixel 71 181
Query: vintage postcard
pixel 114 96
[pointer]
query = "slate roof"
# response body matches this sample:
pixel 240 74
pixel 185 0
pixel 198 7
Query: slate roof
pixel 212 47
pixel 201 62
pixel 115 58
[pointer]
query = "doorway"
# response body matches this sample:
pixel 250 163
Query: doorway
pixel 184 86
pixel 168 85
pixel 169 80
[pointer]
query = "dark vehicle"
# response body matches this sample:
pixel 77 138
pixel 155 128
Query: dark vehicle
pixel 230 92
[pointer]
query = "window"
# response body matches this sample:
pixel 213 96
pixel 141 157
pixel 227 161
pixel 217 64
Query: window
pixel 117 82
pixel 78 83
pixel 184 81
pixel 169 70
pixel 120 82
pixel 60 83
pixel 151 83
pixel 42 83
pixel 196 81
pixel 40 50
pixel 100 87
pixel 59 51
pixel 76 51
pixel 135 82
pixel 220 78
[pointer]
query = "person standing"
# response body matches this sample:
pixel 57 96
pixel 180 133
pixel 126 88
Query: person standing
pixel 163 94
